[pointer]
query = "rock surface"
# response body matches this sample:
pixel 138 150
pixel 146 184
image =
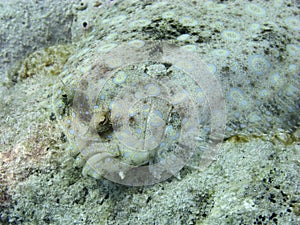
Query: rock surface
pixel 252 49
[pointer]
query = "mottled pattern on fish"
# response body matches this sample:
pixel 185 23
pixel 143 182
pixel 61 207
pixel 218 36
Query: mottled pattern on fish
pixel 141 111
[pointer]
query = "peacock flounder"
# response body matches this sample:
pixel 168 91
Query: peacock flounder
pixel 137 112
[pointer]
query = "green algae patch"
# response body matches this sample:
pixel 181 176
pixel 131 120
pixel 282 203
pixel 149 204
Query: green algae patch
pixel 47 61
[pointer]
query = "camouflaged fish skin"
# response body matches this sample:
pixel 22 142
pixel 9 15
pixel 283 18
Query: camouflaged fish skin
pixel 139 112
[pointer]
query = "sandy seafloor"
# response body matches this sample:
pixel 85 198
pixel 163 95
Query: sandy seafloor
pixel 252 50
